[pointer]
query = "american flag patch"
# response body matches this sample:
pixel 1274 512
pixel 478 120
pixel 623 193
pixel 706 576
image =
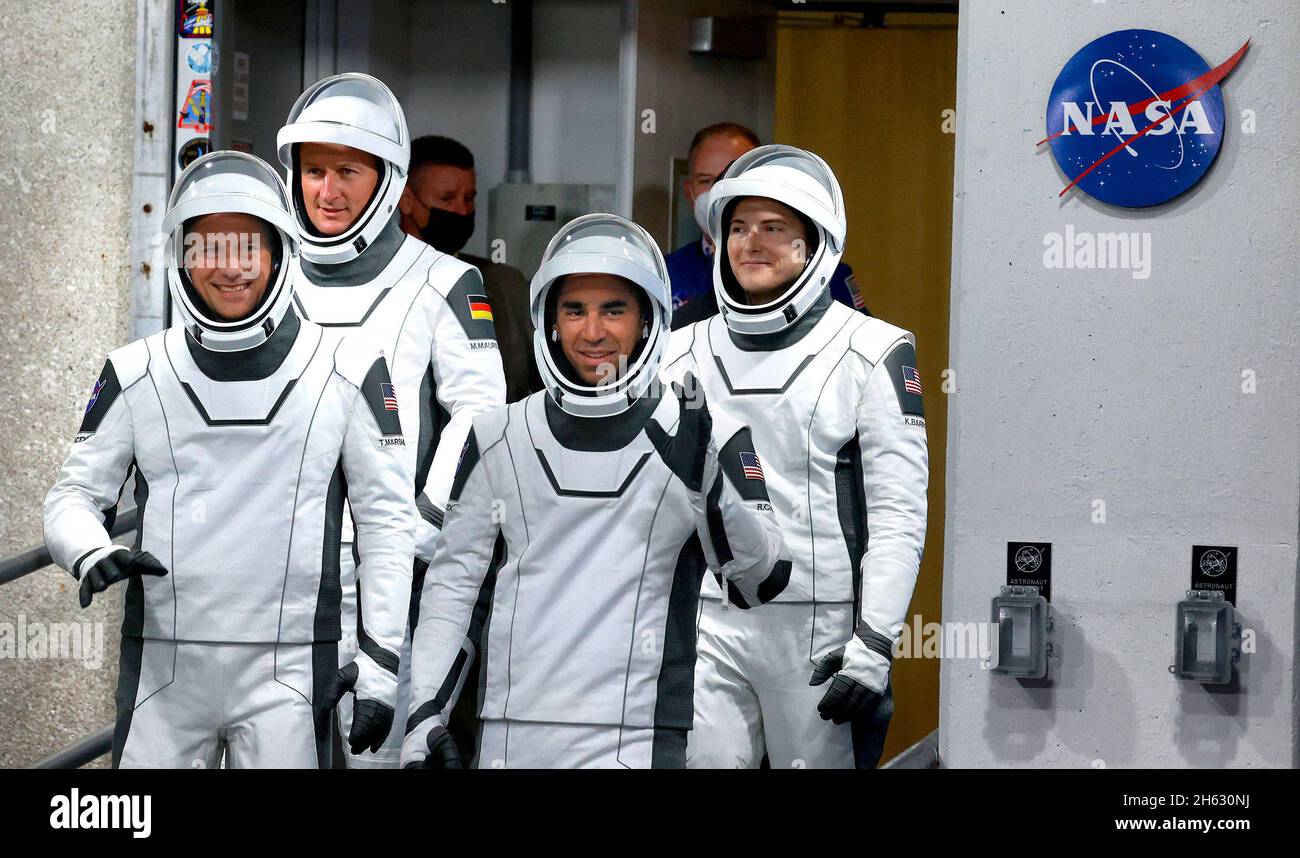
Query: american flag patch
pixel 749 464
pixel 94 396
pixel 912 380
pixel 855 292
pixel 390 395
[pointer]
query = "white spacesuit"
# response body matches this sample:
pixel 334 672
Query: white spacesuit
pixel 245 437
pixel 834 400
pixel 427 310
pixel 609 522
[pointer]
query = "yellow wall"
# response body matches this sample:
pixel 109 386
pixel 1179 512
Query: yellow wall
pixel 870 101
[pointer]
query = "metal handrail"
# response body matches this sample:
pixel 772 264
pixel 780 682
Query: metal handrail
pixel 35 559
pixel 79 753
pixel 922 755
pixel 96 745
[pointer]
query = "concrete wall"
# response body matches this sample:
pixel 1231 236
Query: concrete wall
pixel 67 126
pixel 1079 387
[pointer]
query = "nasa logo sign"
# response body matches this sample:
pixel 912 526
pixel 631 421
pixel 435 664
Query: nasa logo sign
pixel 1136 117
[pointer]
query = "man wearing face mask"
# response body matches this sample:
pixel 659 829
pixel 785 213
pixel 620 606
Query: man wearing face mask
pixel 438 207
pixel 347 149
pixel 246 429
pixel 691 266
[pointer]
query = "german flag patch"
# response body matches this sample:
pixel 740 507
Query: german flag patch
pixel 479 308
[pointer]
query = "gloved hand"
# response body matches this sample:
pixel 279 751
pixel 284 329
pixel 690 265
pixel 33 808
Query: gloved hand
pixel 372 711
pixel 847 699
pixel 120 563
pixel 685 452
pixel 436 749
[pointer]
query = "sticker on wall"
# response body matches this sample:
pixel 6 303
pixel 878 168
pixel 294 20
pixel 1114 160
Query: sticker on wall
pixel 1029 564
pixel 192 151
pixel 195 21
pixel 196 109
pixel 1136 117
pixel 1214 567
pixel 199 58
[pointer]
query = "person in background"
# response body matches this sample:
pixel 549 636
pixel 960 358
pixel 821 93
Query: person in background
pixel 690 267
pixel 438 207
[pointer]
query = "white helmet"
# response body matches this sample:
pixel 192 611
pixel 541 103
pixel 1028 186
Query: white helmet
pixel 231 182
pixel 805 183
pixel 356 110
pixel 601 244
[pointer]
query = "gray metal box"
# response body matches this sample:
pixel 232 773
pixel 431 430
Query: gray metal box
pixel 525 217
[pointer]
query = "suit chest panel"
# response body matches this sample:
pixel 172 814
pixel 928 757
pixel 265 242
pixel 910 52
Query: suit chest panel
pixel 800 403
pixel 222 434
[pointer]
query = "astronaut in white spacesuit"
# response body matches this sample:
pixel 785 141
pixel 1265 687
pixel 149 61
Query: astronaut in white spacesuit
pixel 613 496
pixel 246 429
pixel 346 148
pixel 834 401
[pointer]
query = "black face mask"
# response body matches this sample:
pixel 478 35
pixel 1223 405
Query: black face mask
pixel 447 231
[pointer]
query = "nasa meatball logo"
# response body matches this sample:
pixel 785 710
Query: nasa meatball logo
pixel 1214 563
pixel 1028 559
pixel 1136 117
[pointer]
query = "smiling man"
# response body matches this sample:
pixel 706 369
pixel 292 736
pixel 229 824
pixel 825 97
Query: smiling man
pixel 599 319
pixel 246 430
pixel 609 523
pixel 228 258
pixel 347 151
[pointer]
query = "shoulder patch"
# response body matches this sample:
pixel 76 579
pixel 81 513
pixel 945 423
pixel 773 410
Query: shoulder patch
pixel 106 391
pixel 741 464
pixel 901 366
pixel 468 301
pixel 855 291
pixel 381 397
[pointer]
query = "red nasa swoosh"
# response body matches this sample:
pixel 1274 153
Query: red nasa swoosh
pixel 1192 90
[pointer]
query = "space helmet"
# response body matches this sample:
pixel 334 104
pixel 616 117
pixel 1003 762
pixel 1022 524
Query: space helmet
pixel 601 244
pixel 357 110
pixel 227 181
pixel 805 183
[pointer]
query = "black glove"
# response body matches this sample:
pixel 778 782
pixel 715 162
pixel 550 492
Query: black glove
pixel 371 720
pixel 443 753
pixel 847 699
pixel 685 452
pixel 114 567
